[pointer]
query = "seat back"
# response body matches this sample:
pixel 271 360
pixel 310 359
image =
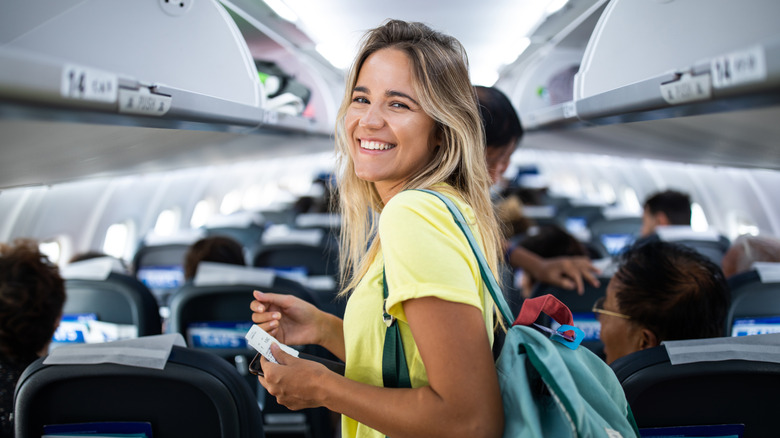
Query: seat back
pixel 755 300
pixel 195 394
pixel 315 259
pixel 96 286
pixel 612 235
pixel 577 218
pixel 161 268
pixel 119 299
pixel 711 244
pixel 215 316
pixel 221 293
pixel 244 227
pixel 704 391
pixel 310 256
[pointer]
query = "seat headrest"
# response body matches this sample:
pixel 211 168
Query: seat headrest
pixel 186 236
pixel 612 212
pixel 673 233
pixel 539 211
pixel 278 234
pixel 320 282
pixel 328 220
pixel 98 268
pixel 762 348
pixel 213 274
pixel 242 219
pixel 146 352
pixel 768 272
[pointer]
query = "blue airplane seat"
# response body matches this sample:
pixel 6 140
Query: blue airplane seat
pixel 212 313
pixel 705 382
pixel 195 394
pixel 96 286
pixel 709 243
pixel 614 234
pixel 161 267
pixel 309 256
pixel 755 300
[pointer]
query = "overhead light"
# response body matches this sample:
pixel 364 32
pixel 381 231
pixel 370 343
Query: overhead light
pixel 485 77
pixel 511 53
pixel 281 9
pixel 336 54
pixel 555 6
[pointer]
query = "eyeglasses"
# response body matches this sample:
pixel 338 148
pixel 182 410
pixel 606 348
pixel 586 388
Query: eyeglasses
pixel 598 307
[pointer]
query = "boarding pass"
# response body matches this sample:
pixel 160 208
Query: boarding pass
pixel 261 341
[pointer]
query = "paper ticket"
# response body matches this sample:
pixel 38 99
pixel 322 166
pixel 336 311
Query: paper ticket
pixel 261 341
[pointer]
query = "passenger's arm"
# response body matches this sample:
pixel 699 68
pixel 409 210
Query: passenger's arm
pixel 462 399
pixel 565 272
pixel 293 321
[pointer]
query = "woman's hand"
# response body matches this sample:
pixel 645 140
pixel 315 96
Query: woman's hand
pixel 565 272
pixel 293 321
pixel 568 273
pixel 287 318
pixel 294 382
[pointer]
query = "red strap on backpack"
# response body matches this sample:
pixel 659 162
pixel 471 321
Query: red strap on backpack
pixel 547 304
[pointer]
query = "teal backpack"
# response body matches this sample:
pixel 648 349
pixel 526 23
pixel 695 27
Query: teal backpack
pixel 549 386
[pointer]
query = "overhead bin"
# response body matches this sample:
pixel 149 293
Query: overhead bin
pixel 652 55
pixel 696 81
pixel 649 55
pixel 109 87
pixel 540 82
pixel 180 64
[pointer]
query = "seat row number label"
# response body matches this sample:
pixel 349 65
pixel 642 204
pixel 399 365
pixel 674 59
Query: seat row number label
pixel 88 84
pixel 738 68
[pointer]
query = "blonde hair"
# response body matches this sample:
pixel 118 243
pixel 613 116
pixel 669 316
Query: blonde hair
pixel 441 81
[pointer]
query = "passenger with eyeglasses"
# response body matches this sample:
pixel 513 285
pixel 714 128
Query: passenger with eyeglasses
pixel 661 292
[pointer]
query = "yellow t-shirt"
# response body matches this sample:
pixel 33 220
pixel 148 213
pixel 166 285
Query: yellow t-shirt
pixel 424 254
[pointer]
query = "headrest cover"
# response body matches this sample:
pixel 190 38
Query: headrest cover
pixel 243 219
pixel 188 236
pixel 98 268
pixel 768 272
pixel 673 233
pixel 539 211
pixel 305 220
pixel 320 282
pixel 145 352
pixel 611 212
pixel 211 274
pixel 763 348
pixel 277 234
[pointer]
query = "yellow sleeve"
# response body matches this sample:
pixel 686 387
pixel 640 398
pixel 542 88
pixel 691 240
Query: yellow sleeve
pixel 426 254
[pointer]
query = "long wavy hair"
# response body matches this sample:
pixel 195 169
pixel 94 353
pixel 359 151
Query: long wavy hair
pixel 441 81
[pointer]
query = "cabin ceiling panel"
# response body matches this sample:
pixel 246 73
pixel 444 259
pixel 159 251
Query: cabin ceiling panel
pixel 42 152
pixel 746 138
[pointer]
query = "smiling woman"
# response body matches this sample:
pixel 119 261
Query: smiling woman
pixel 409 120
pixel 385 125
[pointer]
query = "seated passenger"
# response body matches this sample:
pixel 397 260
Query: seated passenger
pixel 218 249
pixel 32 295
pixel 503 132
pixel 746 250
pixel 665 208
pixel 510 213
pixel 661 292
pixel 549 241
